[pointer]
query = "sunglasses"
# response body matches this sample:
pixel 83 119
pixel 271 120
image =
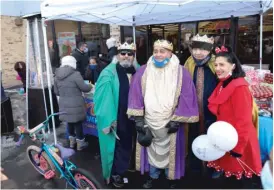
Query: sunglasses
pixel 126 53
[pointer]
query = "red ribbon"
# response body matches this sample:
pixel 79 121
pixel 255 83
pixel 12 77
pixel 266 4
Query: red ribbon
pixel 223 49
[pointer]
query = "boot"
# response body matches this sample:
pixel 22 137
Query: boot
pixel 81 144
pixel 173 184
pixel 117 181
pixel 149 183
pixel 72 141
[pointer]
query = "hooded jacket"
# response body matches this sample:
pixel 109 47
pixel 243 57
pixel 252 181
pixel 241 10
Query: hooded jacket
pixel 69 85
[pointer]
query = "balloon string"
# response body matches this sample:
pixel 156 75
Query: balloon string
pixel 242 162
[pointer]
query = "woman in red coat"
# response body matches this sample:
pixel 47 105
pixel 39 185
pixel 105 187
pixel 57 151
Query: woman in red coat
pixel 232 102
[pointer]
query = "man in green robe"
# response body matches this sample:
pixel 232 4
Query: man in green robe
pixel 115 129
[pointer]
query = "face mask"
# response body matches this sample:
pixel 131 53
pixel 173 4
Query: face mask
pixel 229 74
pixel 160 64
pixel 86 50
pixel 200 62
pixel 92 66
pixel 266 176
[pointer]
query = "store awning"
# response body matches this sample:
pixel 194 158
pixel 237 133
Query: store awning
pixel 146 12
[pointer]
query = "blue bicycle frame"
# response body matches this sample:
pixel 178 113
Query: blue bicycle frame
pixel 64 167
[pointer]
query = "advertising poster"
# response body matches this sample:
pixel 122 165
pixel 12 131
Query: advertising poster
pixel 66 42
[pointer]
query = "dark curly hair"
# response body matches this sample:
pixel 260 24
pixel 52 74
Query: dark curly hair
pixel 230 56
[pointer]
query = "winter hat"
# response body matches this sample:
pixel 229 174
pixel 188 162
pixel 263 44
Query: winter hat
pixel 68 61
pixel 111 42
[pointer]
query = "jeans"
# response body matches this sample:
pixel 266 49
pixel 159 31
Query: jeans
pixel 154 173
pixel 76 127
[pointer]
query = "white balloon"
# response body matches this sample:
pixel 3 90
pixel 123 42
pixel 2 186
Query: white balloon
pixel 223 135
pixel 204 150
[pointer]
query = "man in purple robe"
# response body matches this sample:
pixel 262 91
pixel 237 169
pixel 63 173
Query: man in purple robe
pixel 162 98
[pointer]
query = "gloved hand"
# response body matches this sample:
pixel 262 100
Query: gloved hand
pixel 139 124
pixel 173 127
pixel 113 125
pixel 235 154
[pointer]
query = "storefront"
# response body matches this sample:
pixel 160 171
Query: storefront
pixel 241 34
pixel 67 34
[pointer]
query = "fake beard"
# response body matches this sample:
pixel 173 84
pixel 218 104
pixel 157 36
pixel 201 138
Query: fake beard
pixel 125 64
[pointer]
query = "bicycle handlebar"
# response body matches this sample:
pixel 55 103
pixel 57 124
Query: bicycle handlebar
pixel 36 129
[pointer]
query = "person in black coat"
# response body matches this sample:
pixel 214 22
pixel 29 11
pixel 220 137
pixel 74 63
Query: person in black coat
pixel 112 49
pixel 80 54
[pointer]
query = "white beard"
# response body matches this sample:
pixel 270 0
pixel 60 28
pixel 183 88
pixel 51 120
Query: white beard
pixel 125 63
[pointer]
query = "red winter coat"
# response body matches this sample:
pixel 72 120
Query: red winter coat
pixel 233 104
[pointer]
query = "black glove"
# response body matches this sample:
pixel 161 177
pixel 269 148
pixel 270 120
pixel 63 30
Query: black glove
pixel 139 124
pixel 235 154
pixel 173 127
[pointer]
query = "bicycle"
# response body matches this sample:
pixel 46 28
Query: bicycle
pixel 52 161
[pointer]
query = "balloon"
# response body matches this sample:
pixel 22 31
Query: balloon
pixel 223 135
pixel 204 150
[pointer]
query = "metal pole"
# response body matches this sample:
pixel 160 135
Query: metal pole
pixel 133 31
pixel 40 62
pixel 27 72
pixel 261 39
pixel 49 76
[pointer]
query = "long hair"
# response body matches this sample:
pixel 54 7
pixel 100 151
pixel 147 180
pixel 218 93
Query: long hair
pixel 232 59
pixel 20 66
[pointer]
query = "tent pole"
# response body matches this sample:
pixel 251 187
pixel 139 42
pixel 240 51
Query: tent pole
pixel 133 32
pixel 49 77
pixel 27 73
pixel 261 39
pixel 40 69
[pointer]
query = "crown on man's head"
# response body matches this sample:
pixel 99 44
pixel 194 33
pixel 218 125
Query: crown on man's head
pixel 127 46
pixel 163 44
pixel 203 38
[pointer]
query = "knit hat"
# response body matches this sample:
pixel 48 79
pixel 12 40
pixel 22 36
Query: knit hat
pixel 68 61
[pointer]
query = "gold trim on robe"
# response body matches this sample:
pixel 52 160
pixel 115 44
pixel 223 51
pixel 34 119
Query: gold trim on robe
pixel 135 112
pixel 191 119
pixel 138 157
pixel 172 156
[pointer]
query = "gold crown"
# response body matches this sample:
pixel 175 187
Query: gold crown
pixel 163 44
pixel 203 38
pixel 126 46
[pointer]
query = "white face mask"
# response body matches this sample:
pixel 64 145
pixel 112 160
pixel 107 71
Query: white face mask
pixel 86 50
pixel 266 176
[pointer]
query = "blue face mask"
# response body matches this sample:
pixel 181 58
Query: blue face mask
pixel 266 176
pixel 92 66
pixel 160 64
pixel 200 62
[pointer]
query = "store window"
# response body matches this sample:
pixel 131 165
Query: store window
pixel 188 30
pixel 268 39
pixel 96 35
pixel 248 40
pixel 141 41
pixel 219 29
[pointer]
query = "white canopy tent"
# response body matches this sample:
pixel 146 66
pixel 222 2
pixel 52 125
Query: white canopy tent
pixel 146 12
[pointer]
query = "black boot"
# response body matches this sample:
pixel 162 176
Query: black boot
pixel 117 181
pixel 173 184
pixel 149 183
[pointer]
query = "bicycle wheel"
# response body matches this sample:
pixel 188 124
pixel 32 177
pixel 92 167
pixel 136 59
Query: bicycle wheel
pixel 85 180
pixel 45 163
